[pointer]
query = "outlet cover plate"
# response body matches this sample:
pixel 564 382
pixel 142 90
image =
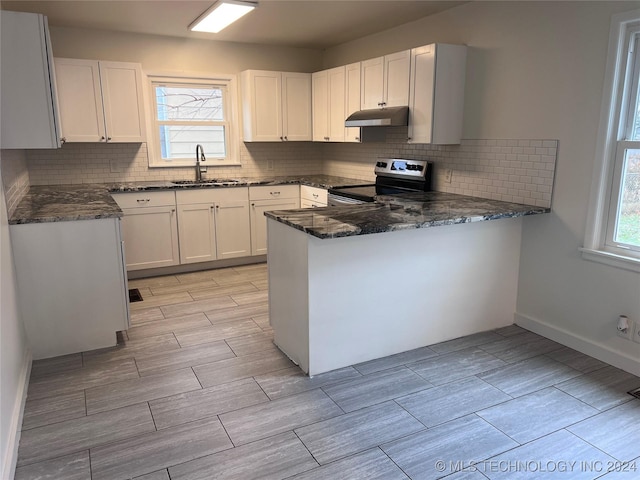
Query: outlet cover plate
pixel 629 334
pixel 636 333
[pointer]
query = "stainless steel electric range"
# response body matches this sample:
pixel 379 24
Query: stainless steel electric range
pixel 393 176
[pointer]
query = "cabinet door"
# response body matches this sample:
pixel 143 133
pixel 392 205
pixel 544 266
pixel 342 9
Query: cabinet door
pixel 80 100
pixel 371 83
pixel 233 229
pixel 197 232
pixel 396 79
pixel 421 94
pixel 320 106
pixel 352 99
pixel 262 106
pixel 28 99
pixel 122 101
pixel 150 237
pixel 296 107
pixel 259 221
pixel 336 104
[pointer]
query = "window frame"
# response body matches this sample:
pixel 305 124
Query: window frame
pixel 230 104
pixel 612 141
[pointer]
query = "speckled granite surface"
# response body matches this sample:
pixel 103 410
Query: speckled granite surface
pixel 61 203
pixel 320 181
pixel 400 212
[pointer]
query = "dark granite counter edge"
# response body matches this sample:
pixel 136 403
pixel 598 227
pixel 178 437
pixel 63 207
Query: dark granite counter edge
pixel 276 215
pixel 303 180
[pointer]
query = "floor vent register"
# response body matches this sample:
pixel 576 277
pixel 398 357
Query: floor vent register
pixel 135 295
pixel 635 392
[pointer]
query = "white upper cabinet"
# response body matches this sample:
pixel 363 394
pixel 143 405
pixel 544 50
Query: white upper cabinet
pixel 276 106
pixel 436 100
pixel 100 101
pixel 329 105
pixel 352 99
pixel 28 100
pixel 296 107
pixel 320 101
pixel 385 81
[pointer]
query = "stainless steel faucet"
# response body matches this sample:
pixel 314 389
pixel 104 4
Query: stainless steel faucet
pixel 199 158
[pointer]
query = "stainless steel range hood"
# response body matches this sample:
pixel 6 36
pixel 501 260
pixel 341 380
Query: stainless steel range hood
pixel 379 117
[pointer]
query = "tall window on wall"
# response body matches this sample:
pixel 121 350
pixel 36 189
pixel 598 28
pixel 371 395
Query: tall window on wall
pixel 613 235
pixel 192 111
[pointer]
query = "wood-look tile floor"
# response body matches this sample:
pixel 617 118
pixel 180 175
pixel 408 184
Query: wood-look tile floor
pixel 197 390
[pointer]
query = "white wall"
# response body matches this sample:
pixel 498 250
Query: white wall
pixel 14 353
pixel 536 70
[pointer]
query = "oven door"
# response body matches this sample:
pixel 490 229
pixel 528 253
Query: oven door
pixel 334 200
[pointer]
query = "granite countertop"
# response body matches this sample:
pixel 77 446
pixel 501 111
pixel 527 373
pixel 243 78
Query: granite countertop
pixel 60 203
pixel 320 181
pixel 400 212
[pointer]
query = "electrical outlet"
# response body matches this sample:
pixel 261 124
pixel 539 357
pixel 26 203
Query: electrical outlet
pixel 448 173
pixel 629 333
pixel 114 166
pixel 270 164
pixel 636 332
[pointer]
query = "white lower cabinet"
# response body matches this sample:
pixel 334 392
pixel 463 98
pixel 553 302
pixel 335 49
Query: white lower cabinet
pixel 311 197
pixel 73 286
pixel 265 199
pixel 149 229
pixel 213 224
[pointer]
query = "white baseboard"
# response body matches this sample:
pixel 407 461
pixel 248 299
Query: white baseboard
pixel 10 456
pixel 581 344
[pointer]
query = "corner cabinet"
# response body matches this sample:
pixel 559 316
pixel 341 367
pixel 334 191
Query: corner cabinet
pixel 276 106
pixel 436 97
pixel 28 105
pixel 75 270
pixel 100 101
pixel 264 199
pixel 149 229
pixel 213 224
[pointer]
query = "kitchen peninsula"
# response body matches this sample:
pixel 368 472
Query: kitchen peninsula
pixel 350 284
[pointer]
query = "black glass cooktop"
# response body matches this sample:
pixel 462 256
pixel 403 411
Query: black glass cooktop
pixel 367 192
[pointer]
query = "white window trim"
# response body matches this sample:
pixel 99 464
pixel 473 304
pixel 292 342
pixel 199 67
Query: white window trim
pixel 595 247
pixel 153 146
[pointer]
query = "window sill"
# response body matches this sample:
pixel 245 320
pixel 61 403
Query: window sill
pixel 611 259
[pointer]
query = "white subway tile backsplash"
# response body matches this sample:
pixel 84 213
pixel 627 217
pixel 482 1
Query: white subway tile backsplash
pixel 15 177
pixel 502 169
pixel 520 170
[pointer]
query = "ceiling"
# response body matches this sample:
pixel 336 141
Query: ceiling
pixel 297 23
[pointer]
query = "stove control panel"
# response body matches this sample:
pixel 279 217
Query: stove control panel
pixel 398 167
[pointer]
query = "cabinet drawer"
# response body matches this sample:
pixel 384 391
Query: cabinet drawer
pixel 144 199
pixel 212 195
pixel 313 194
pixel 274 192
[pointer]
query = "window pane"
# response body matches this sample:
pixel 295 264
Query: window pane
pixel 628 224
pixel 179 141
pixel 187 103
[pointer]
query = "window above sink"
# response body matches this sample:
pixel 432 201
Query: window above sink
pixel 187 111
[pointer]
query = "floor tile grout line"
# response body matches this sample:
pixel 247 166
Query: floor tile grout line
pixel 392 461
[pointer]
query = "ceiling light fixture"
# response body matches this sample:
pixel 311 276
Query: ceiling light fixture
pixel 220 15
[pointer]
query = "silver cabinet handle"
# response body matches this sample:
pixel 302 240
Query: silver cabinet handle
pixel 315 195
pixel 63 140
pixel 143 200
pixel 274 193
pixel 286 139
pixel 282 138
pixel 101 139
pixel 108 139
pixel 358 139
